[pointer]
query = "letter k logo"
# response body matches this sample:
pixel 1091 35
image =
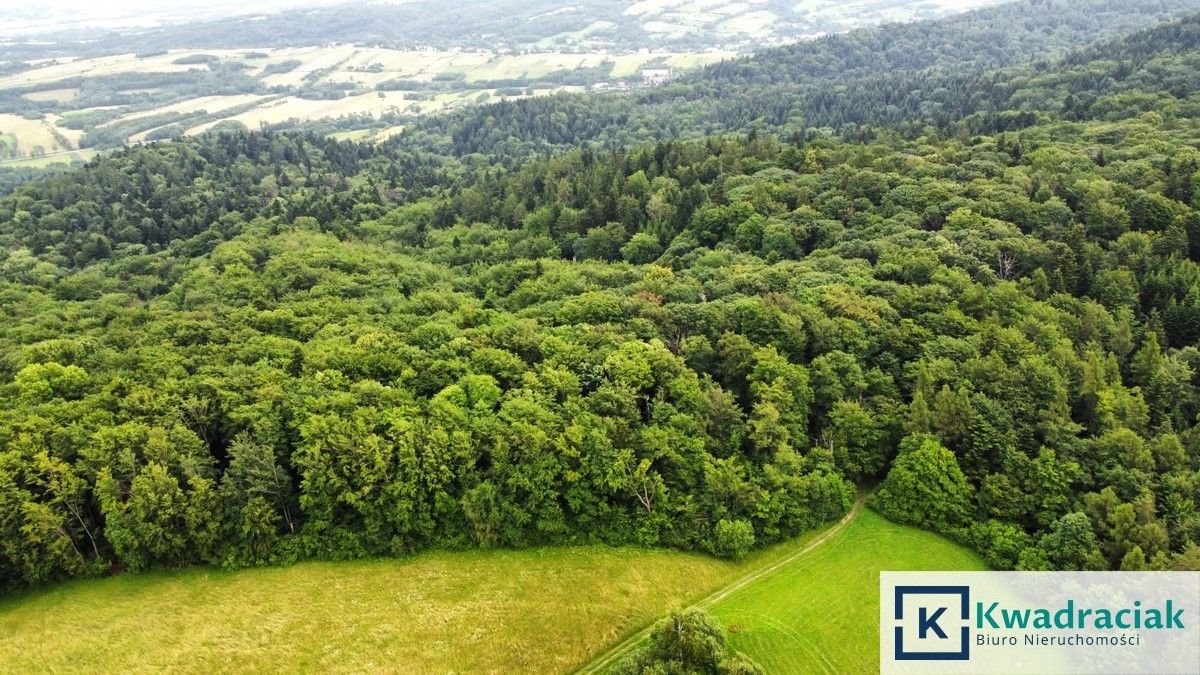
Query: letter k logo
pixel 936 626
pixel 925 623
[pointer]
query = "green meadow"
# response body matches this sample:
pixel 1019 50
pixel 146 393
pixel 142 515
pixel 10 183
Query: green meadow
pixel 820 613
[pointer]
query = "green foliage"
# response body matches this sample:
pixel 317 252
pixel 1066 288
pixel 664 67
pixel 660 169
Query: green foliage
pixel 925 487
pixel 688 642
pixel 733 538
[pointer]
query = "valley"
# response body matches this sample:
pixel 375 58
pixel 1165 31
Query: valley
pixel 61 102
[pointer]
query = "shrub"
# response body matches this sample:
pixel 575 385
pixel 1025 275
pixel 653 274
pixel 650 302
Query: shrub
pixel 733 539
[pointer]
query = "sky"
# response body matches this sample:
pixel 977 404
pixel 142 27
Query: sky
pixel 18 17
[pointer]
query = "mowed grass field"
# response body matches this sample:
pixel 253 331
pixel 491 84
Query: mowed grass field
pixel 543 610
pixel 821 612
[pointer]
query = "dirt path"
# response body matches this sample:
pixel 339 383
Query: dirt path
pixel 604 661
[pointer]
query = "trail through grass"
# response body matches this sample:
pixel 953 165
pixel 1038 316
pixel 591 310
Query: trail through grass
pixel 821 612
pixel 817 608
pixel 781 557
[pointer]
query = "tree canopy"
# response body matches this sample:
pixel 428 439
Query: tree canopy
pixel 253 348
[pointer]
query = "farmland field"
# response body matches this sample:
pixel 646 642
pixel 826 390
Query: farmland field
pixel 211 104
pixel 65 157
pixel 104 65
pixel 30 134
pixel 276 111
pixel 65 95
pixel 282 81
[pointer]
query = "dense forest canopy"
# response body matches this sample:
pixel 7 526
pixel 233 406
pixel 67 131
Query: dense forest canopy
pixel 252 348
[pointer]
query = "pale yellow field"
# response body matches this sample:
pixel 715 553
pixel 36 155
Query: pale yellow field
pixel 751 23
pixel 314 58
pixel 30 134
pixel 283 109
pixel 350 65
pixel 415 61
pixel 196 130
pixel 356 135
pixel 278 54
pixel 388 132
pixel 72 135
pixel 530 65
pixel 409 65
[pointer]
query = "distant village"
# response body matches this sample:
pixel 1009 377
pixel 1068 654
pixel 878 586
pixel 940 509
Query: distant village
pixel 651 77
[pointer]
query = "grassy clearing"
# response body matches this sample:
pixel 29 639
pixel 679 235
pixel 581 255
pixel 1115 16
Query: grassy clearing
pixel 763 566
pixel 516 611
pixel 821 612
pixel 280 110
pixel 283 109
pixel 355 135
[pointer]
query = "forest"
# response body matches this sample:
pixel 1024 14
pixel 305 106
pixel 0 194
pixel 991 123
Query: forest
pixel 254 348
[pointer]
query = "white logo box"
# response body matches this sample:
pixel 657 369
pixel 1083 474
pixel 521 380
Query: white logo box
pixel 1039 622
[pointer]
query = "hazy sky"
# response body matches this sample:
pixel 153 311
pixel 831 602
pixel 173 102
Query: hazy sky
pixel 125 7
pixel 23 17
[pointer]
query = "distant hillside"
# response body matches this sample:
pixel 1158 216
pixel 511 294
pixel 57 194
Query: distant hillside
pixel 929 72
pixel 361 70
pixel 518 24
